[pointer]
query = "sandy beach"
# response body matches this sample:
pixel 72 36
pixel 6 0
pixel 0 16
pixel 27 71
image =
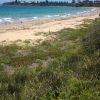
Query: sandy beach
pixel 27 30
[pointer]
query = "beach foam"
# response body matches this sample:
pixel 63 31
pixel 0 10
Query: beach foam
pixel 17 31
pixel 94 9
pixel 10 20
pixel 35 13
pixel 35 18
pixel 0 20
pixel 23 19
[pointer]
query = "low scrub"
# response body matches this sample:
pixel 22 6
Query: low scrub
pixel 65 68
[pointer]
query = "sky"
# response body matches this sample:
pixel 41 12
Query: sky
pixel 1 1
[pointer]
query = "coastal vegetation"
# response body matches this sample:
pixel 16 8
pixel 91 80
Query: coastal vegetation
pixel 74 3
pixel 64 67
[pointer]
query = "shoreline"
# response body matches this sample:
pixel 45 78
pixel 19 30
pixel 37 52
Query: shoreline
pixel 27 30
pixel 8 20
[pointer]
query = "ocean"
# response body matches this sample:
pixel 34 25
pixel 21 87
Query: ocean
pixel 24 13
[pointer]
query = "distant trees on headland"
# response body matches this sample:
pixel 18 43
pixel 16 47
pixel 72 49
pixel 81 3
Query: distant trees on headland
pixel 78 3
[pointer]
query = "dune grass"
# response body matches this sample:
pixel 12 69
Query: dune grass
pixel 66 67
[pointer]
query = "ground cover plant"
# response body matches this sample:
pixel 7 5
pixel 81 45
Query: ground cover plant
pixel 65 67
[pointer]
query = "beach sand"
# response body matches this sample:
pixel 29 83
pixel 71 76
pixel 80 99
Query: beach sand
pixel 27 30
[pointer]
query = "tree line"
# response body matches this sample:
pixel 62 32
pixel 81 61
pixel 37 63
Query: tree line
pixel 55 3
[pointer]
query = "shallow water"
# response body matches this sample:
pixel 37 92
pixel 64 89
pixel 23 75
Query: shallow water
pixel 25 13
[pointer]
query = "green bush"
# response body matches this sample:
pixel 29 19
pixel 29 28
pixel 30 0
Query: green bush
pixel 67 67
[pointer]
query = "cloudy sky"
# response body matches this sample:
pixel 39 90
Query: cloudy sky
pixel 1 1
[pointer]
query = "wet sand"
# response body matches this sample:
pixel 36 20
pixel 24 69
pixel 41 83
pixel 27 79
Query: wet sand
pixel 27 30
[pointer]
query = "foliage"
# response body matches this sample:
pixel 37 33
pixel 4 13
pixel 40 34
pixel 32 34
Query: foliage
pixel 64 68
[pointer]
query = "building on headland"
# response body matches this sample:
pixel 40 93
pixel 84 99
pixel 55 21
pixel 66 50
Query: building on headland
pixel 46 1
pixel 78 1
pixel 16 1
pixel 87 1
pixel 73 1
pixel 96 1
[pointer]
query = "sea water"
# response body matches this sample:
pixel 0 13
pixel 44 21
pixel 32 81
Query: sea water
pixel 25 13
